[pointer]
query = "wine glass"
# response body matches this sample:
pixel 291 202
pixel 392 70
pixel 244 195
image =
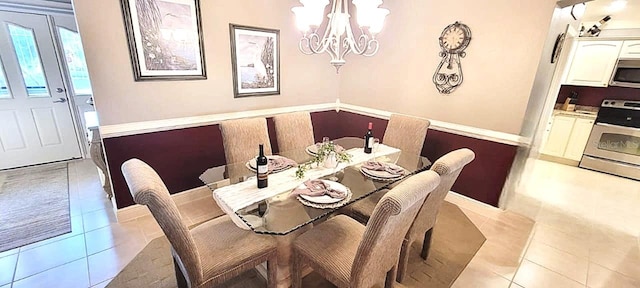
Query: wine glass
pixel 325 140
pixel 376 144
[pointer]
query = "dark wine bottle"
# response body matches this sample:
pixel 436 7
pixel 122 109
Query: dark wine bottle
pixel 368 140
pixel 262 170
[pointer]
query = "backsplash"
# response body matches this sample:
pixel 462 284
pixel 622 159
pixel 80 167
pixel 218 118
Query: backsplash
pixel 593 96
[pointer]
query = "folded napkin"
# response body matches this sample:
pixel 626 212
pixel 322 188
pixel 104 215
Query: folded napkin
pixel 379 166
pixel 318 188
pixel 280 163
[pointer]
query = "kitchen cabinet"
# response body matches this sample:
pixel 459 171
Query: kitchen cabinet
pixel 568 136
pixel 593 63
pixel 578 139
pixel 559 135
pixel 630 49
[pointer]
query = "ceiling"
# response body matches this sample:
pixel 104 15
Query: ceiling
pixel 625 18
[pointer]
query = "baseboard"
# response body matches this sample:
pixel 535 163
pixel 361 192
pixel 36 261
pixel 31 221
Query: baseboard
pixel 136 211
pixel 560 160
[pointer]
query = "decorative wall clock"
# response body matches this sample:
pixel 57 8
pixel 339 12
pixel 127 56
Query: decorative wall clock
pixel 454 39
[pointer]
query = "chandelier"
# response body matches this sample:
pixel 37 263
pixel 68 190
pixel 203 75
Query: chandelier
pixel 338 39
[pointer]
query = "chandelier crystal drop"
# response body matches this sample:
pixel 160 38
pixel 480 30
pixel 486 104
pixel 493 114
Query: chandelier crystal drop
pixel 338 39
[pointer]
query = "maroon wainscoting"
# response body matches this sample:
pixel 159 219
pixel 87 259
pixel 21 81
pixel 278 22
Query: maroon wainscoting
pixel 593 96
pixel 180 156
pixel 483 179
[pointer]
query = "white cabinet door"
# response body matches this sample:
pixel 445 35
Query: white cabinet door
pixel 630 49
pixel 559 136
pixel 593 63
pixel 578 139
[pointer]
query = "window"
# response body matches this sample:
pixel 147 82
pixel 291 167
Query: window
pixel 74 56
pixel 4 89
pixel 26 50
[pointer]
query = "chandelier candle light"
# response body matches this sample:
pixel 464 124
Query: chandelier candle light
pixel 338 39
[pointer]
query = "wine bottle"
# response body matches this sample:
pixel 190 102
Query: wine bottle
pixel 262 169
pixel 368 140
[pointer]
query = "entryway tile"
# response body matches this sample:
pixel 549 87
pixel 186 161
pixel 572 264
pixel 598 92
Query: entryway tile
pixel 102 284
pixel 98 219
pixel 112 235
pixel 45 257
pixel 7 268
pixel 531 275
pixel 74 274
pixel 106 264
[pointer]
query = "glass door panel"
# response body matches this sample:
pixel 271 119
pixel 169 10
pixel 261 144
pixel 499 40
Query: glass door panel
pixel 26 50
pixel 76 63
pixel 4 87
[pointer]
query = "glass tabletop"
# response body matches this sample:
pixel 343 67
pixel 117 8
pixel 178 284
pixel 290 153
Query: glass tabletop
pixel 283 213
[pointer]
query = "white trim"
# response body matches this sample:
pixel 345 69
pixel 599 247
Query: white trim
pixel 37 7
pixel 110 131
pixel 478 133
pixel 136 211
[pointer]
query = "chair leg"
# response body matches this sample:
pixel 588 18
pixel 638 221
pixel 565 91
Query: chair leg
pixel 391 277
pixel 296 270
pixel 272 271
pixel 403 261
pixel 182 281
pixel 426 244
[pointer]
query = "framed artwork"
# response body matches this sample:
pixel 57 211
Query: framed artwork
pixel 255 61
pixel 165 39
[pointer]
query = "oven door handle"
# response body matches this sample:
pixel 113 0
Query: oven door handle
pixel 632 129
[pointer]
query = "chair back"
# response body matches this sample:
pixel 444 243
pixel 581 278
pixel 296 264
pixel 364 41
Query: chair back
pixel 448 167
pixel 147 188
pixel 380 247
pixel 241 138
pixel 294 131
pixel 406 133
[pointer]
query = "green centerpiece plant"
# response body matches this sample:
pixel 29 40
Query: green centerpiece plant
pixel 324 151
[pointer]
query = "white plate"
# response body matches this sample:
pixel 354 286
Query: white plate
pixel 325 199
pixel 252 164
pixel 382 174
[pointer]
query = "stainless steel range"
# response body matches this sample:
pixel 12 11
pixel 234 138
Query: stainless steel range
pixel 614 143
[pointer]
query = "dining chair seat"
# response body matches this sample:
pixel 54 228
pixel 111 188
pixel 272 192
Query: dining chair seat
pixel 351 255
pixel 212 252
pixel 229 248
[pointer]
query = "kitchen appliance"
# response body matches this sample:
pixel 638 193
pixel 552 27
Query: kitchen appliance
pixel 626 73
pixel 614 144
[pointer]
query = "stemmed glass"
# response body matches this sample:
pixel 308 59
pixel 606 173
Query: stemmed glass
pixel 376 144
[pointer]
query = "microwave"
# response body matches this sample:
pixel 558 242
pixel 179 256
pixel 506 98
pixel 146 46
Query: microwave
pixel 626 73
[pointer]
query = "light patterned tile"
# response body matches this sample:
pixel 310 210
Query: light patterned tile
pixel 102 284
pixel 626 262
pixel 563 241
pixel 73 274
pixel 98 219
pixel 477 275
pixel 476 218
pixel 531 275
pixel 601 277
pixel 112 235
pixel 108 263
pixel 568 265
pixel 47 256
pixel 498 259
pixel 7 268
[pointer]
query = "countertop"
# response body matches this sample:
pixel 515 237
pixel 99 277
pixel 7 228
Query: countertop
pixel 578 113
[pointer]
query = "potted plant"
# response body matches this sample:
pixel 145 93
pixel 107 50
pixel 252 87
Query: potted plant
pixel 327 155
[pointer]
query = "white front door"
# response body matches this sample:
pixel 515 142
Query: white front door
pixel 35 121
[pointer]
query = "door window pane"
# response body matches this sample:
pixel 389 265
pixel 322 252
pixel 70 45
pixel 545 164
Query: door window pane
pixel 76 63
pixel 24 44
pixel 4 89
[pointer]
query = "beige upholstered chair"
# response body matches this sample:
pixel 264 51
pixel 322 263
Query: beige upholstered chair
pixel 294 131
pixel 351 255
pixel 210 253
pixel 448 167
pixel 241 138
pixel 406 133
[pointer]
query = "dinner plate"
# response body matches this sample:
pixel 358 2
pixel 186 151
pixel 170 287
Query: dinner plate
pixel 325 199
pixel 252 164
pixel 382 174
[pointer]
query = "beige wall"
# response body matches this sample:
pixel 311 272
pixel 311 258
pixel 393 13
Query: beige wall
pixel 499 69
pixel 304 79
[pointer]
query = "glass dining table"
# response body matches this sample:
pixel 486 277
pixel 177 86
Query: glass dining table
pixel 282 213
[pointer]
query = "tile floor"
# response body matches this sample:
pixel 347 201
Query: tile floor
pixel 585 234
